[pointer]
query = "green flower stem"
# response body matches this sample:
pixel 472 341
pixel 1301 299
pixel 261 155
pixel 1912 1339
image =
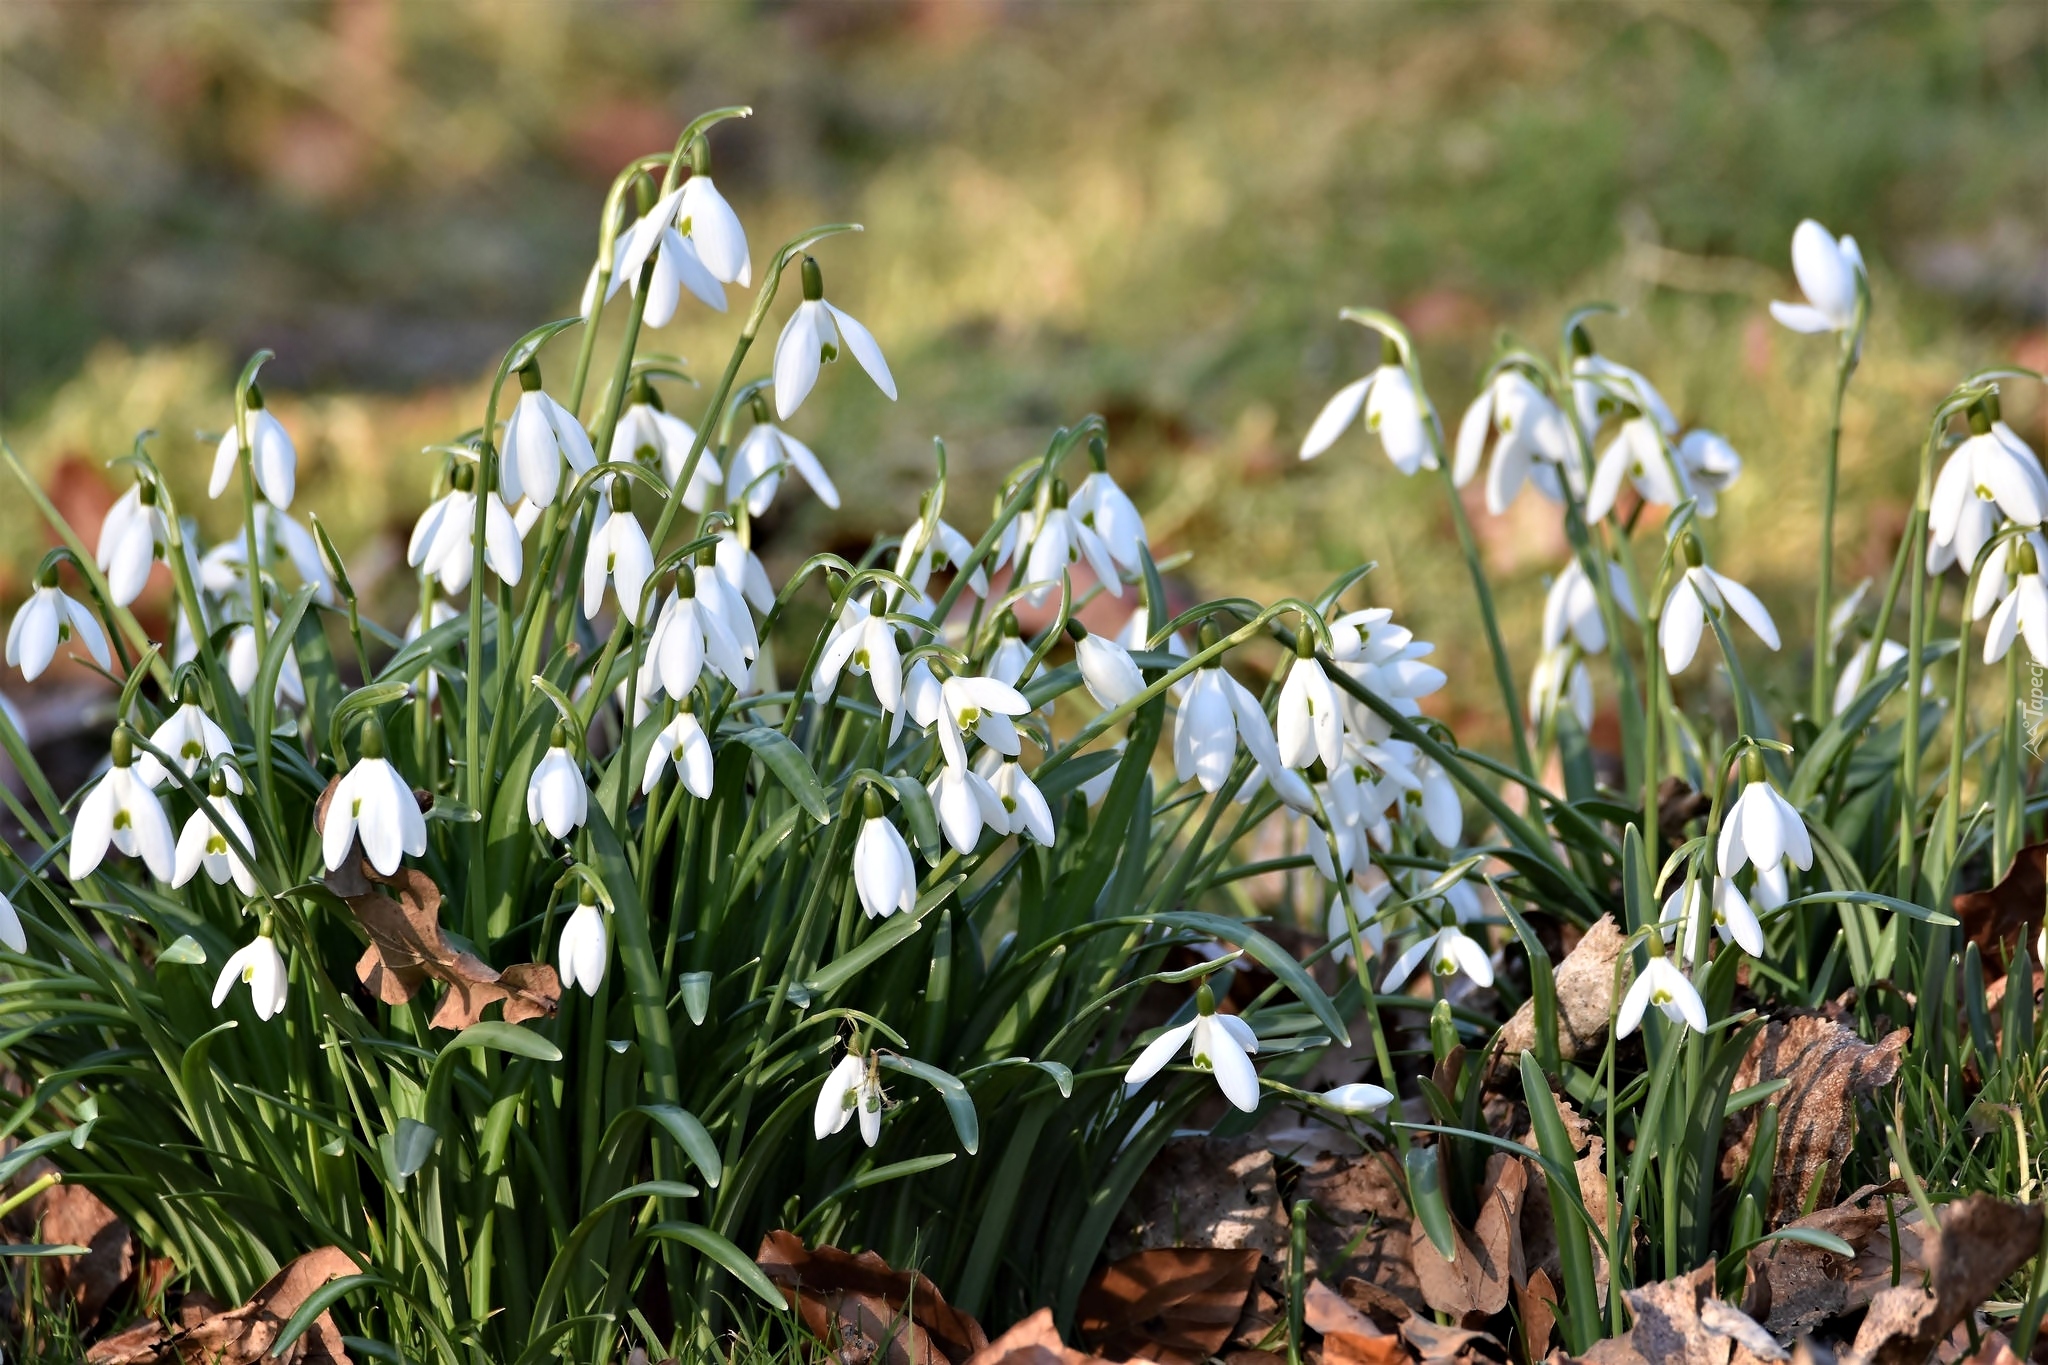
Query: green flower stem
pixel 1821 702
pixel 1503 671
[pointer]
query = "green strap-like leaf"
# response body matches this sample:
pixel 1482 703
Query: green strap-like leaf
pixel 726 1254
pixel 959 1104
pixel 691 1136
pixel 787 763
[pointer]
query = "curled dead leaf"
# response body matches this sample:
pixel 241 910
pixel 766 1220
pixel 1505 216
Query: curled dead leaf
pixel 1328 1312
pixel 1794 1287
pixel 68 1214
pixel 1475 1284
pixel 2006 915
pixel 1981 1240
pixel 1438 1345
pixel 246 1335
pixel 1681 1322
pixel 863 1309
pixel 1585 998
pixel 1034 1341
pixel 1349 1348
pixel 1171 1304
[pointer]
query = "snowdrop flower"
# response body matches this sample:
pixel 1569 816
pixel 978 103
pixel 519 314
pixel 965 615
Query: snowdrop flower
pixel 260 964
pixel 863 642
pixel 1762 827
pixel 1359 1099
pixel 965 803
pixel 1435 802
pixel 677 264
pixel 47 619
pixel 1828 270
pixel 959 705
pixel 1393 410
pixel 122 812
pixel 1448 952
pixel 1385 659
pixel 1106 667
pixel 1664 986
pixel 1637 453
pixel 373 802
pixel 585 947
pixel 1364 907
pixel 2022 611
pixel 682 743
pixel 191 738
pixel 1710 467
pixel 556 798
pixel 440 614
pixel 1106 510
pixel 1214 715
pixel 244 663
pixel 1533 444
pixel 765 454
pixel 619 553
pixel 441 546
pixel 1601 386
pixel 743 573
pixel 646 434
pixel 1859 671
pixel 539 438
pixel 812 336
pixel 691 631
pixel 1987 471
pixel 1009 658
pixel 1221 1044
pixel 853 1086
pixel 280 540
pixel 1309 716
pixel 703 215
pixel 883 873
pixel 1560 678
pixel 1699 590
pixel 203 843
pixel 941 548
pixel 1572 607
pixel 1019 796
pixel 11 933
pixel 272 457
pixel 133 537
pixel 1734 921
pixel 1061 539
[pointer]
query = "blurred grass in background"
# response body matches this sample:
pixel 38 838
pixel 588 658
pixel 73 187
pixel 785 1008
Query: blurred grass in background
pixel 1154 211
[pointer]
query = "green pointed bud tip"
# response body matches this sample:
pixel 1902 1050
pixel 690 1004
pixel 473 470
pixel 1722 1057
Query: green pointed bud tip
pixel 2029 562
pixel 1059 492
pixel 217 785
pixel 939 668
pixel 1390 351
pixel 621 494
pixel 1205 1000
pixel 586 894
pixel 1582 343
pixel 1007 627
pixel 123 747
pixel 1980 420
pixel 871 804
pixel 1098 453
pixel 373 739
pixel 686 581
pixel 1305 641
pixel 255 396
pixel 529 377
pixel 814 280
pixel 558 738
pixel 464 477
pixel 1076 631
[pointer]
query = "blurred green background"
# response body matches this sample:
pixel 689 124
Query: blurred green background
pixel 1149 210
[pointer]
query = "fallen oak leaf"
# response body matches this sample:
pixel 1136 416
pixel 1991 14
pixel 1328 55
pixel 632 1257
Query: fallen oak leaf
pixel 68 1214
pixel 856 1305
pixel 1489 1257
pixel 1170 1304
pixel 248 1334
pixel 1980 1240
pixel 1034 1341
pixel 1536 1299
pixel 2007 914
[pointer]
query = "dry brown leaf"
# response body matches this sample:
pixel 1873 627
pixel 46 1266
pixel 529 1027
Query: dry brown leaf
pixel 408 946
pixel 1489 1257
pixel 1828 1067
pixel 856 1304
pixel 1437 1345
pixel 1359 1232
pixel 1034 1341
pixel 1328 1312
pixel 1993 1349
pixel 1585 998
pixel 1681 1322
pixel 1794 1287
pixel 1171 1304
pixel 1539 1235
pixel 1386 1309
pixel 142 1344
pixel 245 1335
pixel 2007 915
pixel 1981 1240
pixel 1352 1348
pixel 1537 1302
pixel 1206 1192
pixel 72 1215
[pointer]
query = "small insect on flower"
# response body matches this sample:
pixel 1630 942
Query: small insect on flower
pixel 585 947
pixel 260 964
pixel 853 1086
pixel 47 619
pixel 1664 986
pixel 811 338
pixel 122 812
pixel 1220 1044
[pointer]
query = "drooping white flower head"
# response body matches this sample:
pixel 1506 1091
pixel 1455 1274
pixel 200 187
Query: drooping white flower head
pixel 863 641
pixel 1107 670
pixel 1601 387
pixel 883 873
pixel 1710 466
pixel 678 265
pixel 280 540
pixel 1104 508
pixel 1309 717
pixel 1025 804
pixel 1991 474
pixel 47 619
pixel 442 547
pixel 123 813
pixel 1572 607
pixel 681 744
pixel 695 628
pixel 1859 670
pixel 1664 986
pixel 647 434
pixel 1008 660
pixel 960 705
pixel 1394 411
pixel 618 554
pixel 1827 268
pixel 812 337
pixel 1698 591
pixel 1559 679
pixel 1639 453
pixel 373 803
pixel 540 438
pixel 743 573
pixel 853 1086
pixel 244 663
pixel 1448 952
pixel 765 454
pixel 1220 1044
pixel 703 215
pixel 260 964
pixel 204 843
pixel 1434 804
pixel 1056 542
pixel 941 548
pixel 1359 1099
pixel 1533 442
pixel 12 935
pixel 585 947
pixel 1734 922
pixel 273 458
pixel 1761 827
pixel 966 804
pixel 556 798
pixel 132 538
pixel 1216 712
pixel 1362 904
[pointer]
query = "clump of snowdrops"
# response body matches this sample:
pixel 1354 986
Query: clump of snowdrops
pixel 544 953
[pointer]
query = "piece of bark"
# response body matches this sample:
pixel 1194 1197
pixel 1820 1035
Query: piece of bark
pixel 1828 1068
pixel 247 1334
pixel 857 1304
pixel 1489 1259
pixel 1177 1305
pixel 1585 998
pixel 1981 1240
pixel 1206 1192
